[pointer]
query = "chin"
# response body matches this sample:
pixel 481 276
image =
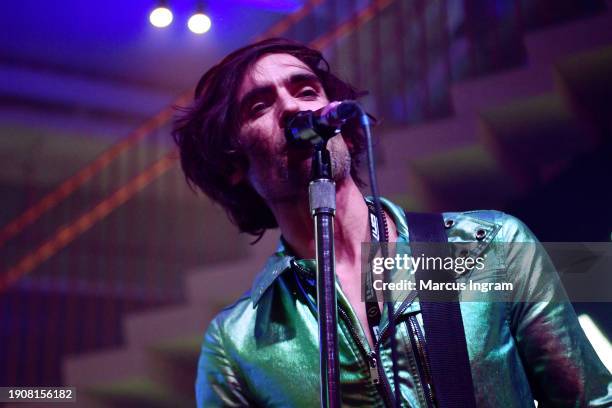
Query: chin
pixel 341 167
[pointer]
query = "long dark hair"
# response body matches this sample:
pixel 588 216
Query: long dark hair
pixel 206 132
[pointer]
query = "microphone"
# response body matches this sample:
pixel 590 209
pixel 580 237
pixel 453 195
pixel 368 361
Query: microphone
pixel 336 113
pixel 319 126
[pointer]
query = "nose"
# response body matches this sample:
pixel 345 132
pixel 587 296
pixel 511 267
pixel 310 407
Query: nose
pixel 288 106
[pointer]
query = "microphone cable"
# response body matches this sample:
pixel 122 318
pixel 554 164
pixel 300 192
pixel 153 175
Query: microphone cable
pixel 364 121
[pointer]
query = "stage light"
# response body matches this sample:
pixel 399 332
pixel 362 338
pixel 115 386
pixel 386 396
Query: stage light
pixel 199 23
pixel 162 16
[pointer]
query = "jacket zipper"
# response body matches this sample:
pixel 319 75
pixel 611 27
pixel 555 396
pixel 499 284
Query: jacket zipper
pixel 424 368
pixel 377 374
pixel 420 343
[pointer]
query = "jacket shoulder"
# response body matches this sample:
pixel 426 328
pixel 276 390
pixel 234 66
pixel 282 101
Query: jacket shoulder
pixel 219 380
pixel 235 313
pixel 506 227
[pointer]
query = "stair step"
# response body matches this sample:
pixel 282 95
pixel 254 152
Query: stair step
pixel 548 45
pixel 160 375
pixel 152 327
pixel 467 178
pixel 176 362
pixel 585 80
pixel 475 95
pixel 413 142
pixel 220 284
pixel 181 350
pixel 535 137
pixel 127 377
pixel 138 392
pixel 106 366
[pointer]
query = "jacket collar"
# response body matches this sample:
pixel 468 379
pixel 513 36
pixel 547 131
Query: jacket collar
pixel 463 228
pixel 274 267
pixel 280 261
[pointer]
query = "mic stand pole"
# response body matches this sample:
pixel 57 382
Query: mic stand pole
pixel 322 198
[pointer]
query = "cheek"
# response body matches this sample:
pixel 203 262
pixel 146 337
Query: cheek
pixel 262 150
pixel 252 138
pixel 260 134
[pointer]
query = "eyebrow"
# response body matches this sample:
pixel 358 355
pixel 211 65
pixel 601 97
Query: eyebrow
pixel 292 80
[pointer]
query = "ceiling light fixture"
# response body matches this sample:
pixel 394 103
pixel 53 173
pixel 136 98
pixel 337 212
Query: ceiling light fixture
pixel 161 16
pixel 199 23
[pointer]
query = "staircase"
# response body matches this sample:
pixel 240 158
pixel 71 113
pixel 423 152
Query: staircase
pixel 505 124
pixel 495 147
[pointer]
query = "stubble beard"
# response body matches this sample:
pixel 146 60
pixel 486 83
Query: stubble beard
pixel 292 172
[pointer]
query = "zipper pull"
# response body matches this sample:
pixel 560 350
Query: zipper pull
pixel 374 369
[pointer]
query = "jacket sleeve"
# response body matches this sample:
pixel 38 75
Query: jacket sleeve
pixel 562 367
pixel 217 383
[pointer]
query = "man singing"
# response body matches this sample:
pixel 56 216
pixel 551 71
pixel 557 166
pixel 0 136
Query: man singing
pixel 263 350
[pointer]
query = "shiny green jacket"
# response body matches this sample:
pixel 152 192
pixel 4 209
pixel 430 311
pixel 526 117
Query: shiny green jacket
pixel 263 350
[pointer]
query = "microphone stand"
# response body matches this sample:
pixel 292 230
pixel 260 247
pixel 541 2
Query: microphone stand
pixel 322 198
pixel 305 128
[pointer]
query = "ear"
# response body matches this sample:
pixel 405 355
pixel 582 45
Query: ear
pixel 236 176
pixel 236 169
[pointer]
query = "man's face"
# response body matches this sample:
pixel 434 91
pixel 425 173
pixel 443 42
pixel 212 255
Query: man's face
pixel 277 86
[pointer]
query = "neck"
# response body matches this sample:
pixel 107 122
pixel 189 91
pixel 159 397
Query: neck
pixel 351 226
